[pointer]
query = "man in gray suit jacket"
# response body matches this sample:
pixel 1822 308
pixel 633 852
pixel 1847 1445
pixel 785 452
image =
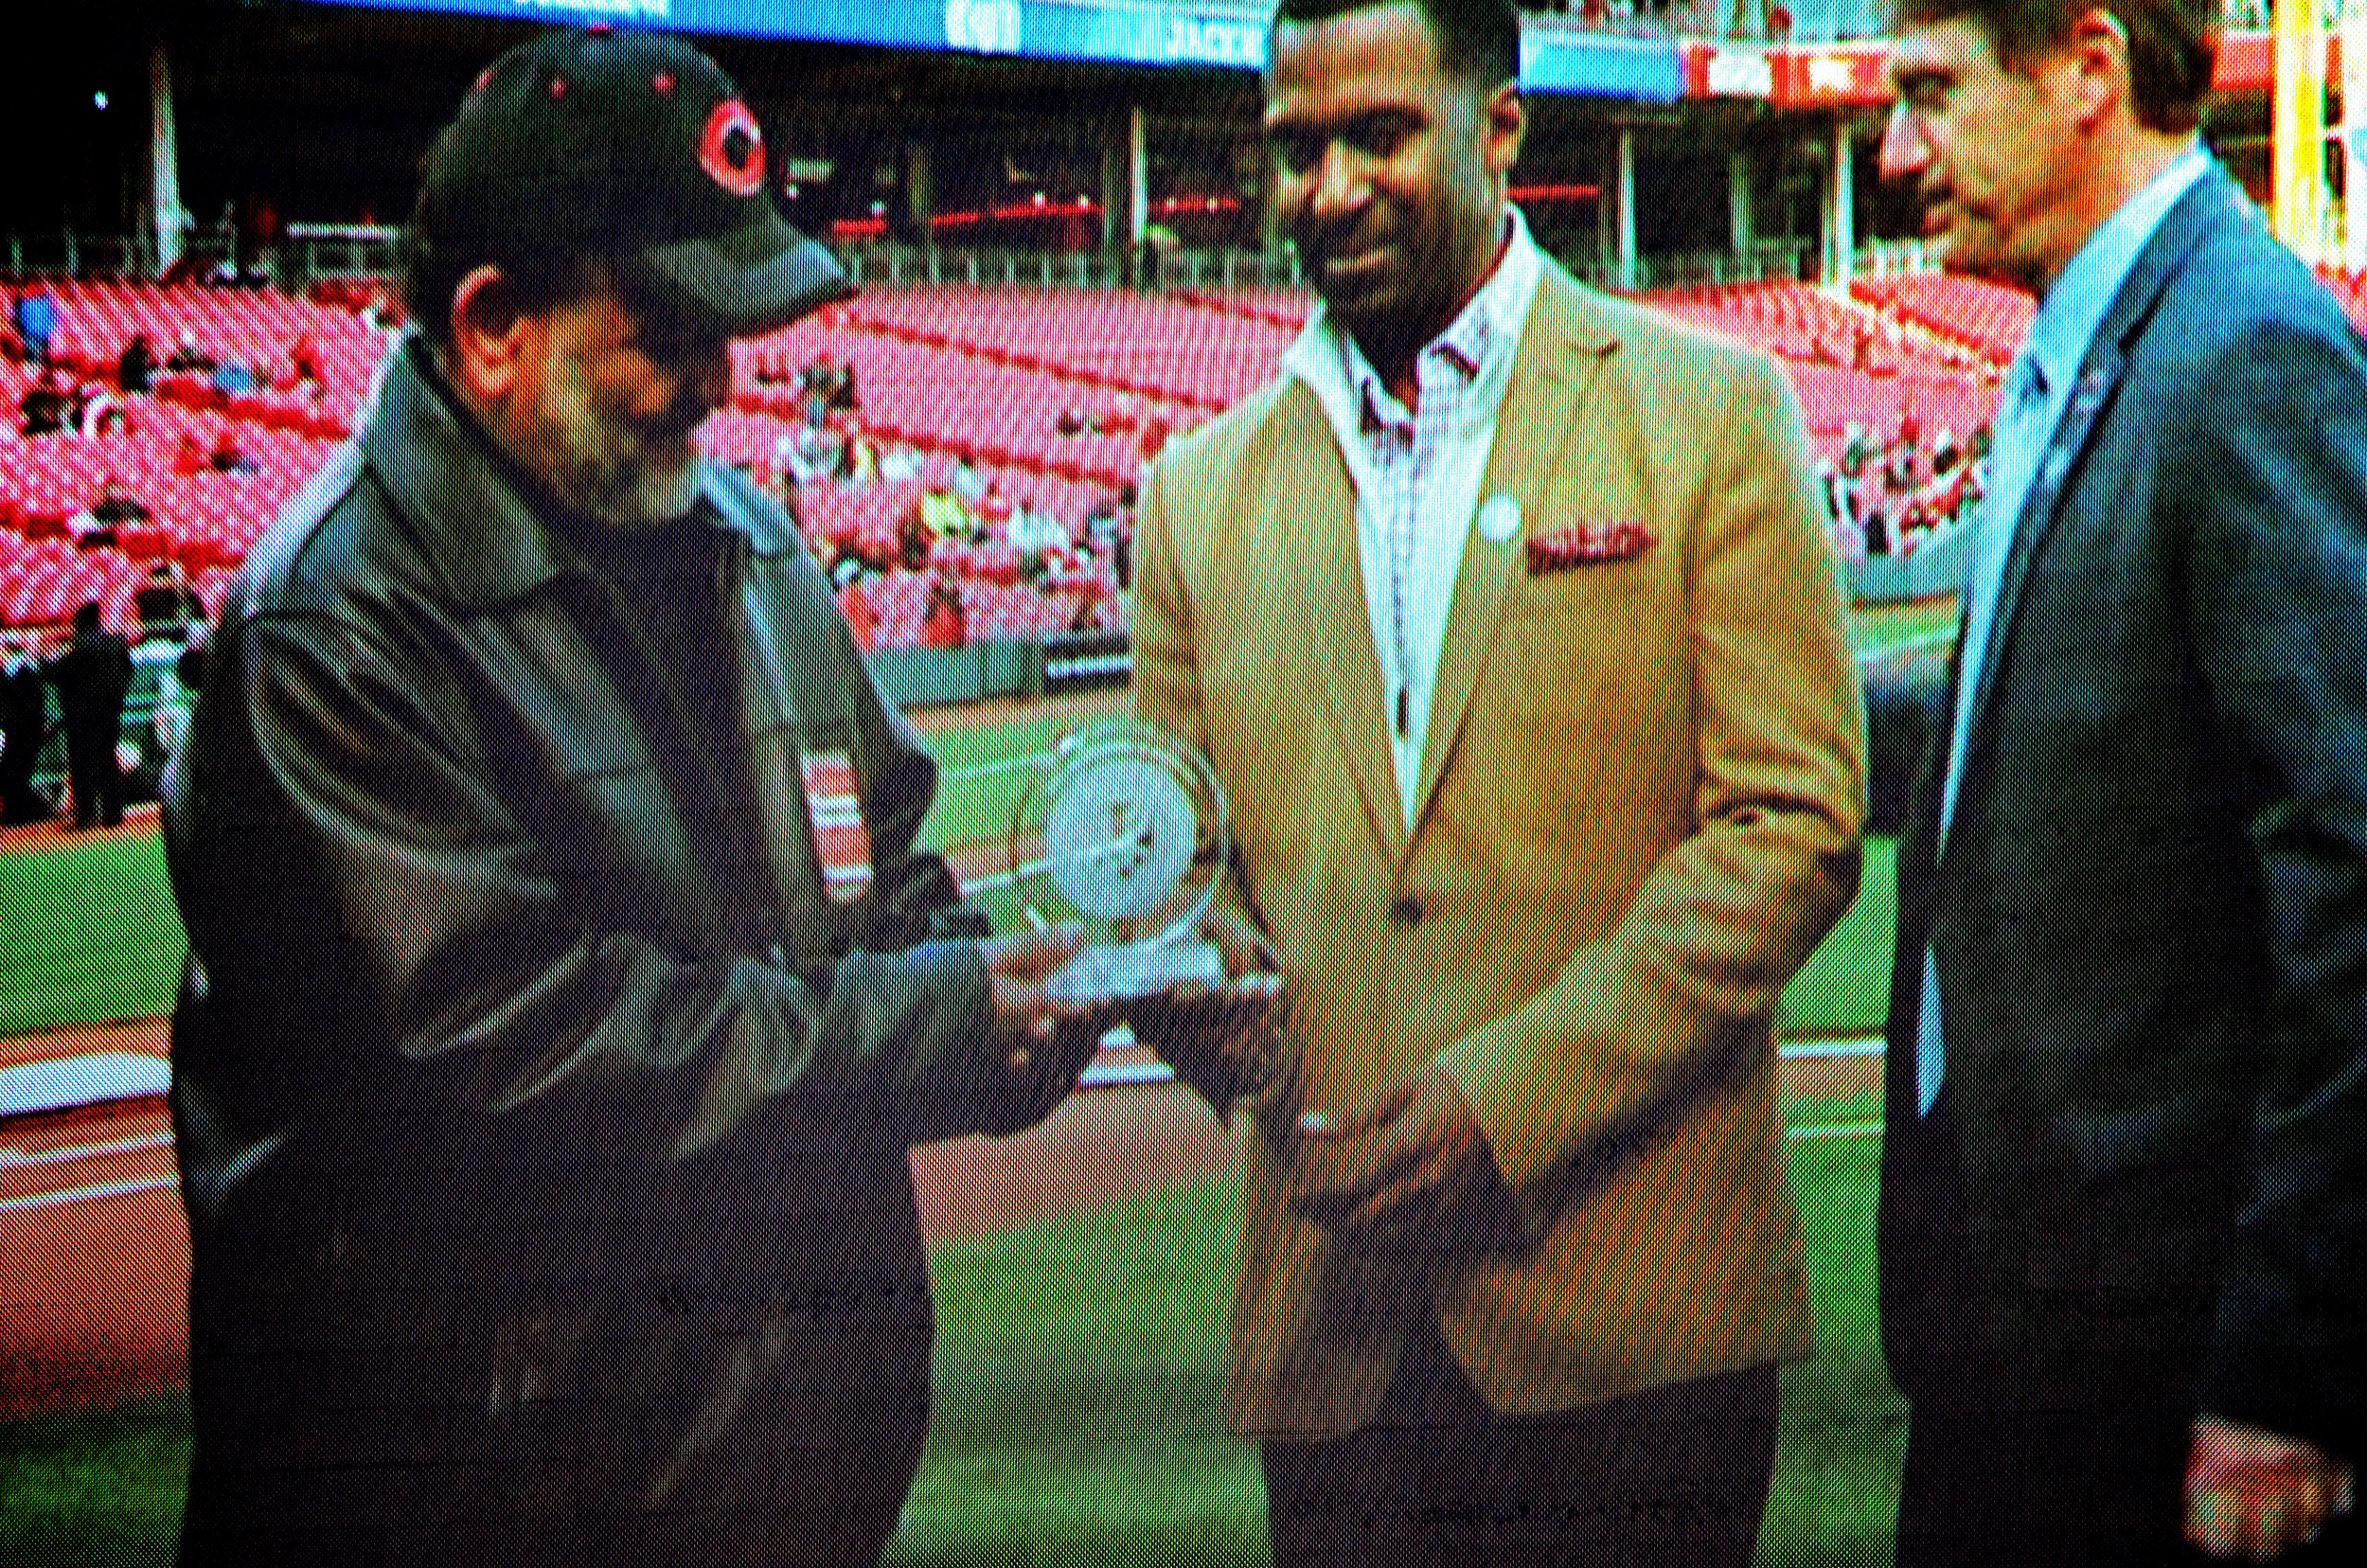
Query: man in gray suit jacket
pixel 2123 1224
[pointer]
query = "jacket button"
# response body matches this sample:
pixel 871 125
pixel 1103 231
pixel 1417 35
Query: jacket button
pixel 1407 910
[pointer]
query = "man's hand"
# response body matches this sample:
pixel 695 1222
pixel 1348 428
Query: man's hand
pixel 2255 1493
pixel 1229 1042
pixel 1044 1037
pixel 1410 1165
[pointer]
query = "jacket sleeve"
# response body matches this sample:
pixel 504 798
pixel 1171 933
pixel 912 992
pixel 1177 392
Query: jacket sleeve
pixel 363 854
pixel 2270 489
pixel 1729 913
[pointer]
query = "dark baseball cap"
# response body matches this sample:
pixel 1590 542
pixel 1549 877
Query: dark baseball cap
pixel 633 146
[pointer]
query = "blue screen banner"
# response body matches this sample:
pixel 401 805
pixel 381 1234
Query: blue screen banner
pixel 1123 32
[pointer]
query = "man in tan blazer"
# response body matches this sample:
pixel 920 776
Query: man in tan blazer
pixel 1506 618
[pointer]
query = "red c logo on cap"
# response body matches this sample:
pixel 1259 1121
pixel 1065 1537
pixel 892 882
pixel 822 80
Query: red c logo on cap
pixel 732 148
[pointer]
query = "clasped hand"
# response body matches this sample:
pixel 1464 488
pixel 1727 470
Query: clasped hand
pixel 1410 1167
pixel 1410 1158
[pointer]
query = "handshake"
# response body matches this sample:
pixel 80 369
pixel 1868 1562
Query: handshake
pixel 1225 1041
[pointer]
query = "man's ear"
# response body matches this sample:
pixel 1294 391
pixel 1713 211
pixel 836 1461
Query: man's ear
pixel 488 335
pixel 2099 48
pixel 1506 119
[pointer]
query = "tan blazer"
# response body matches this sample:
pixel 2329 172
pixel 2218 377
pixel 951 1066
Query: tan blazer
pixel 1640 811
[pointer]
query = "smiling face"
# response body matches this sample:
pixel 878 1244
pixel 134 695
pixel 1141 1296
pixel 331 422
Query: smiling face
pixel 604 404
pixel 1995 155
pixel 1390 172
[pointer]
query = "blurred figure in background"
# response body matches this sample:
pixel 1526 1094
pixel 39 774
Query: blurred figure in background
pixel 93 677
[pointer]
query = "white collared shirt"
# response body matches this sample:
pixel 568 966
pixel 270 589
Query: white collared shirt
pixel 1418 476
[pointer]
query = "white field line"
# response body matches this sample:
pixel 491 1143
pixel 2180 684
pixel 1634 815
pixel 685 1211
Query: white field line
pixel 1101 1076
pixel 16 1159
pixel 1120 1075
pixel 86 1194
pixel 1830 1050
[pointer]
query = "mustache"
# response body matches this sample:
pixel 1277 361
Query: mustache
pixel 1317 239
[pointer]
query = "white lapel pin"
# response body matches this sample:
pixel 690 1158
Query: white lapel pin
pixel 1499 519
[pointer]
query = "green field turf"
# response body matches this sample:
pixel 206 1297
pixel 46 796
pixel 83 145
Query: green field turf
pixel 1835 1498
pixel 97 1489
pixel 1877 628
pixel 88 933
pixel 983 774
pixel 1844 988
pixel 1080 1366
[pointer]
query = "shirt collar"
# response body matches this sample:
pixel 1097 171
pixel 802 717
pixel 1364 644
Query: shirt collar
pixel 1463 348
pixel 2076 307
pixel 1482 337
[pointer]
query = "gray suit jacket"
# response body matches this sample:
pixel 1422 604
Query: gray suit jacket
pixel 2150 912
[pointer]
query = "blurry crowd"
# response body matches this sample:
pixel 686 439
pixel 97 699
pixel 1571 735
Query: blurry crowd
pixel 64 405
pixel 1892 495
pixel 963 527
pixel 77 683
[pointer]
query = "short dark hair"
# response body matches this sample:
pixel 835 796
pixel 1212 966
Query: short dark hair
pixel 2171 44
pixel 1478 39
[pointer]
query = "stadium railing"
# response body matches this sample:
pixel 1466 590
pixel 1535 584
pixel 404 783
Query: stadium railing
pixel 896 264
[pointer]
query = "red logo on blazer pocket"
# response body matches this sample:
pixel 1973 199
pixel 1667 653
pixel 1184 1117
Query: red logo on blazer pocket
pixel 1587 544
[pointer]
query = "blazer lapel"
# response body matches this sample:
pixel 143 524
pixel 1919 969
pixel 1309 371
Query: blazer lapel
pixel 1560 348
pixel 1317 517
pixel 2098 377
pixel 2209 202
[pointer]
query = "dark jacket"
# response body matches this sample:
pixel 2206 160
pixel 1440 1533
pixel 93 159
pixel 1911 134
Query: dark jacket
pixel 2150 911
pixel 23 705
pixel 546 1171
pixel 24 727
pixel 93 677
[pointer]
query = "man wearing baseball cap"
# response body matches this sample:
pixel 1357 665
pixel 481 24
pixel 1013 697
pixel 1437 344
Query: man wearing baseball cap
pixel 566 985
